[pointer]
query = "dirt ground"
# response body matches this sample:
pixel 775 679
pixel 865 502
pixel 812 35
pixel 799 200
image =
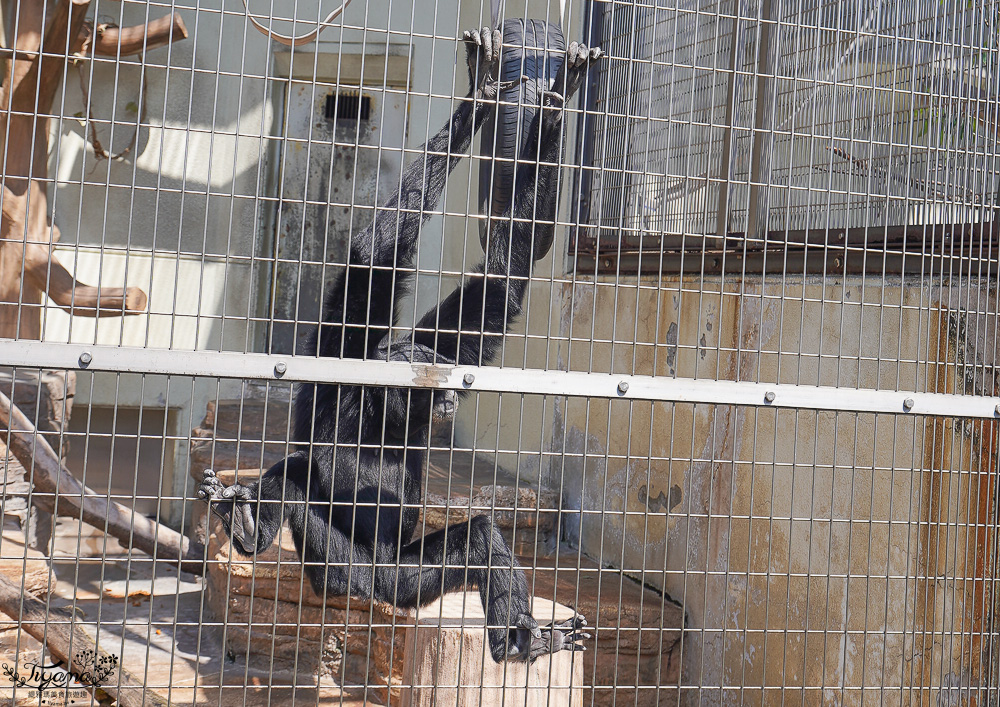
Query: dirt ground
pixel 152 619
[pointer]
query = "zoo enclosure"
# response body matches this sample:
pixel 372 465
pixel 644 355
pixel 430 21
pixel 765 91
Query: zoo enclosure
pixel 751 402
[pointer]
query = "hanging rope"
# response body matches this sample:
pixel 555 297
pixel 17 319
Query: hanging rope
pixel 292 40
pixel 99 150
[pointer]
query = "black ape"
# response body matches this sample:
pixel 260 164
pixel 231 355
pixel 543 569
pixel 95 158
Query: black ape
pixel 352 491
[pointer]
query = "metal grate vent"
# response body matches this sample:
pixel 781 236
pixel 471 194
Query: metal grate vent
pixel 347 106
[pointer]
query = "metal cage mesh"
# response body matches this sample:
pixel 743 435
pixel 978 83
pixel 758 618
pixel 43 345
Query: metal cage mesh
pixel 745 420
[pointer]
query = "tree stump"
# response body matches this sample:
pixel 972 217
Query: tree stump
pixel 446 660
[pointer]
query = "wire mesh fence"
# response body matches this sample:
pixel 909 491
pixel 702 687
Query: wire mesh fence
pixel 364 368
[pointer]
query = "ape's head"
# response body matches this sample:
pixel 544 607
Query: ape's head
pixel 411 411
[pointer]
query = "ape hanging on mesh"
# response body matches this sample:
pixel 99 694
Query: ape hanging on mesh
pixel 352 491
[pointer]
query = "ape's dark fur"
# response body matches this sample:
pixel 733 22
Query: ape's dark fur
pixel 352 491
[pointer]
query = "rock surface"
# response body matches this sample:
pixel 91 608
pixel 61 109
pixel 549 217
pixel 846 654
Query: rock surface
pixel 24 566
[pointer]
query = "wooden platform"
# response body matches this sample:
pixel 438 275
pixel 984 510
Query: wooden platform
pixel 273 620
pixel 633 656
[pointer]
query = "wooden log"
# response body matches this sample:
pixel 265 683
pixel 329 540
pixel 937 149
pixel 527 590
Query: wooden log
pixel 122 41
pixel 47 274
pixel 58 492
pixel 68 643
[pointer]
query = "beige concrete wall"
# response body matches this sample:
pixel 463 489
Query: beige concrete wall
pixel 815 551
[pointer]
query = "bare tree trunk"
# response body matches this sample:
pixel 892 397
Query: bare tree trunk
pixel 28 268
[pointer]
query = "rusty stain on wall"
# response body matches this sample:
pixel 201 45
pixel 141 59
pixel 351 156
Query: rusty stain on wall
pixel 845 552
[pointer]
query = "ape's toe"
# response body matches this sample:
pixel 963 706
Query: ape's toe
pixel 519 645
pixel 551 99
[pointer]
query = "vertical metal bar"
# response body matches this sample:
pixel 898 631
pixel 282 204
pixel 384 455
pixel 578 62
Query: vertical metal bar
pixel 758 210
pixel 725 168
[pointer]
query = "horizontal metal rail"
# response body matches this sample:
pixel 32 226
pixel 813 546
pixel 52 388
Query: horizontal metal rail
pixel 306 369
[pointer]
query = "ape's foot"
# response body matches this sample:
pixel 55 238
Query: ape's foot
pixel 552 115
pixel 528 641
pixel 579 59
pixel 553 101
pixel 567 635
pixel 482 51
pixel 234 506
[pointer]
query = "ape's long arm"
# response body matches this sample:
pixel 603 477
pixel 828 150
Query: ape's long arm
pixel 467 327
pixel 360 303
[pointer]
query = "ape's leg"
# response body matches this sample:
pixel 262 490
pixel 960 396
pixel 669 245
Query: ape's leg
pixel 364 563
pixel 475 554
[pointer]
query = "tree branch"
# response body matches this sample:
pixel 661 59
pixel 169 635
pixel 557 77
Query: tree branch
pixel 57 491
pixel 121 41
pixel 48 275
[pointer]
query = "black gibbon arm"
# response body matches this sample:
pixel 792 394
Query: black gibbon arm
pixel 351 491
